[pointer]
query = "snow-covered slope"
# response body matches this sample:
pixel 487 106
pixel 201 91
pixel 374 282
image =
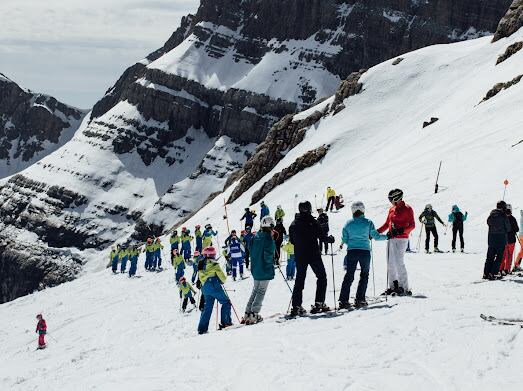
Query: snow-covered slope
pixel 110 333
pixel 32 126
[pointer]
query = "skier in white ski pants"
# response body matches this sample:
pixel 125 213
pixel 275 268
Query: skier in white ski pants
pixel 400 223
pixel 396 269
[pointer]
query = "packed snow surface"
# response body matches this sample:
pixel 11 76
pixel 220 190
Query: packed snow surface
pixel 114 333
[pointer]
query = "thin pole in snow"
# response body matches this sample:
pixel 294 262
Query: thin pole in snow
pixel 506 183
pixel 436 188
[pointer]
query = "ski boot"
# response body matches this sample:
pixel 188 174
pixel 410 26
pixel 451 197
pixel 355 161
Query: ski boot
pixel 427 251
pixel 437 250
pixel 298 311
pixel 388 292
pixel 454 250
pixel 224 325
pixel 408 293
pixel 245 318
pixel 319 307
pixel 344 306
pixel 256 318
pixel 400 291
pixel 462 250
pixel 361 304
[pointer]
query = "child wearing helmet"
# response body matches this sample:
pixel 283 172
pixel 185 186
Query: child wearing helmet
pixel 199 238
pixel 236 252
pixel 186 292
pixel 288 247
pixel 357 235
pixel 208 235
pixel 262 269
pixel 279 214
pixel 174 240
pixel 212 278
pixel 133 255
pixel 178 265
pixel 149 253
pixel 157 259
pixel 113 259
pixel 186 239
pixel 194 263
pixel 41 330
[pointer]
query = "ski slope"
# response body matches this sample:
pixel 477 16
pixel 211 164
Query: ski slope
pixel 114 333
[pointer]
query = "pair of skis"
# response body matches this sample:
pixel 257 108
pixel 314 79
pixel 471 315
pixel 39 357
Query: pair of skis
pixel 502 321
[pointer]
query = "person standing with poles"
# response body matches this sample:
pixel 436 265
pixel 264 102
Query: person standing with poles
pixel 262 269
pixel 456 218
pixel 282 232
pixel 428 217
pixel 357 235
pixel 212 278
pixel 249 216
pixel 498 229
pixel 399 224
pixel 41 330
pixel 331 199
pixel 323 220
pixel 304 234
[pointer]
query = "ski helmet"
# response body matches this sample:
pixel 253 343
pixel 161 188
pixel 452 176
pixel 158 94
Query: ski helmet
pixel 395 195
pixel 509 207
pixel 319 210
pixel 182 279
pixel 233 232
pixel 278 207
pixel 267 222
pixel 209 252
pixel 184 229
pixel 175 232
pixel 248 228
pixel 428 206
pixel 501 205
pixel 197 226
pixel 175 251
pixel 247 209
pixel 455 208
pixel 305 207
pixel 358 206
pixel 149 240
pixel 208 226
pixel 39 316
pixel 196 253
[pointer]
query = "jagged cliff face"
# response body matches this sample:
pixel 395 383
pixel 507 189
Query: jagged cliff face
pixel 176 125
pixel 31 126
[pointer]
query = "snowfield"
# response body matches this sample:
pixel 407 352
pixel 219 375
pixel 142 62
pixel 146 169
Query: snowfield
pixel 114 333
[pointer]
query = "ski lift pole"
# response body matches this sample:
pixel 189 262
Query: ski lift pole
pixel 436 187
pixel 295 200
pixel 506 183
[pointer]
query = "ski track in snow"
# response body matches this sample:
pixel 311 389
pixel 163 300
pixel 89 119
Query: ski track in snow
pixel 111 332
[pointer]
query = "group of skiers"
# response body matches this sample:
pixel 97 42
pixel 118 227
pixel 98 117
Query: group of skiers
pixel 307 238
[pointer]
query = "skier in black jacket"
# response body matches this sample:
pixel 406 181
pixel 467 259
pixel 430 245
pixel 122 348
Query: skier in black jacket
pixel 429 217
pixel 280 228
pixel 499 227
pixel 304 234
pixel 323 220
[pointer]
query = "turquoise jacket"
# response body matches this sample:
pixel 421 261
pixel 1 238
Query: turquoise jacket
pixel 262 256
pixel 357 233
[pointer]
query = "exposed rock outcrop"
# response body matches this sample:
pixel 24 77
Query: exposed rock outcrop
pixel 511 22
pixel 308 159
pixel 501 86
pixel 511 50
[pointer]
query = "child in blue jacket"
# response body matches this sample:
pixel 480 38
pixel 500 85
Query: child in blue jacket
pixel 356 235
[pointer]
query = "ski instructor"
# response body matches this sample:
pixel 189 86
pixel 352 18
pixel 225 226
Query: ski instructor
pixel 304 234
pixel 400 223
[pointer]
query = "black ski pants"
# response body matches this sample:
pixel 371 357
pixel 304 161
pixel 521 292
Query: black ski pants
pixel 494 258
pixel 322 244
pixel 184 304
pixel 431 230
pixel 330 203
pixel 316 264
pixel 247 258
pixel 455 230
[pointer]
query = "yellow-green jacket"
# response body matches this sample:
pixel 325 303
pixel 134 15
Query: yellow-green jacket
pixel 178 260
pixel 289 248
pixel 186 288
pixel 212 269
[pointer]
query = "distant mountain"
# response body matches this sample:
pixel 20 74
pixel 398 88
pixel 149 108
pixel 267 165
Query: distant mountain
pixel 32 125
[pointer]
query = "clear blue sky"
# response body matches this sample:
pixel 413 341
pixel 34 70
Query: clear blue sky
pixel 75 50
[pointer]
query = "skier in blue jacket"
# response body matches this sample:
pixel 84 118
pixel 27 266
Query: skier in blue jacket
pixel 356 234
pixel 236 252
pixel 264 210
pixel 249 218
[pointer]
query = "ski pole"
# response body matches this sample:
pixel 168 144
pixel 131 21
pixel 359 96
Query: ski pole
pixel 372 263
pixel 333 282
pixel 217 315
pixel 419 239
pixel 284 279
pixel 388 253
pixel 232 306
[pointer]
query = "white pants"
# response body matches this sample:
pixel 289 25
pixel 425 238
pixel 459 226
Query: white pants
pixel 395 264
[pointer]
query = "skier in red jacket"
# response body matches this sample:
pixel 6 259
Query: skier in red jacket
pixel 400 223
pixel 41 329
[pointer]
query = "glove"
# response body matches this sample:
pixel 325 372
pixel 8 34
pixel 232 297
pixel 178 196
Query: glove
pixel 397 231
pixel 330 239
pixel 389 235
pixel 199 284
pixel 341 246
